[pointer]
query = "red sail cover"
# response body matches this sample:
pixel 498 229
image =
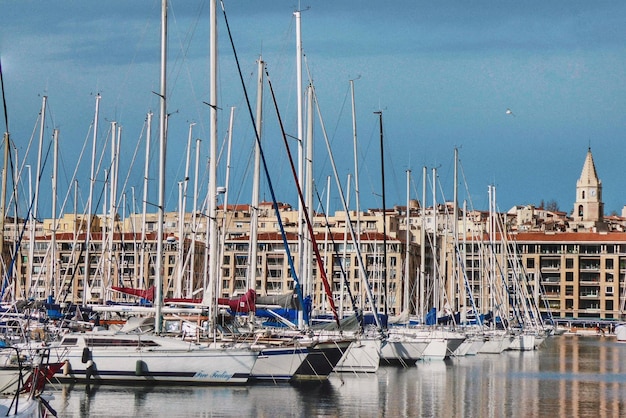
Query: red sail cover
pixel 244 303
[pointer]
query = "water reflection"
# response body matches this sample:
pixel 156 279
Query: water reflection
pixel 568 376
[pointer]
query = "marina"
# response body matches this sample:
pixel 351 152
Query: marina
pixel 153 294
pixel 571 376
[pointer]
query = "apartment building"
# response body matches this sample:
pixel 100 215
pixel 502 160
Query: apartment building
pixel 574 265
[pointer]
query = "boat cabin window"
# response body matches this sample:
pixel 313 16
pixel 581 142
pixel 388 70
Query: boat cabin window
pixel 69 341
pixel 117 342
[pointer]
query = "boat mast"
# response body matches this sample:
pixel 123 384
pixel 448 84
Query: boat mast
pixel 407 270
pixel 422 290
pixel 144 208
pixel 455 278
pixel 192 272
pixel 5 166
pixel 33 218
pixel 300 139
pixel 308 194
pixel 254 220
pixel 184 185
pixel 435 273
pixel 382 169
pixel 92 180
pixel 225 190
pixel 212 161
pixel 51 285
pixel 158 297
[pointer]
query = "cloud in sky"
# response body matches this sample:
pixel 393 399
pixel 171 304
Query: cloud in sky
pixel 444 74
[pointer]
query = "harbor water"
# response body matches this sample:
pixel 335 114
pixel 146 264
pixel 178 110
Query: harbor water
pixel 569 376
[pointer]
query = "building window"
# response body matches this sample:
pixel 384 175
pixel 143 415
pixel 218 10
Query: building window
pixel 530 263
pixel 580 209
pixel 609 290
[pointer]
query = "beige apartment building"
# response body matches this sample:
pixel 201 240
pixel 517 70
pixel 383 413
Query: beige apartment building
pixel 574 266
pixel 122 253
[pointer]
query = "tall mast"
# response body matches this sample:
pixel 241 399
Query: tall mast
pixel 356 162
pixel 5 166
pixel 225 191
pixel 435 274
pixel 382 169
pixel 300 141
pixel 158 298
pixel 181 219
pixel 212 160
pixel 422 289
pixel 51 285
pixel 456 277
pixel 256 180
pixel 33 217
pixel 92 180
pixel 308 192
pixel 144 206
pixel 407 270
pixel 192 270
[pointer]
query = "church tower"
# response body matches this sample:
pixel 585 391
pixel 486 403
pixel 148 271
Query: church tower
pixel 588 208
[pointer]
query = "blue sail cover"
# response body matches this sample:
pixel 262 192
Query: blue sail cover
pixel 431 317
pixel 290 314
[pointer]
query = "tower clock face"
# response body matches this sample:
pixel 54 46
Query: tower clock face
pixel 593 192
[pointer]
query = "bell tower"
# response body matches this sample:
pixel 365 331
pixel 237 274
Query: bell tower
pixel 588 208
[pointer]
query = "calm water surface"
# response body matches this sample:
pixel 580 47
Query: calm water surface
pixel 567 377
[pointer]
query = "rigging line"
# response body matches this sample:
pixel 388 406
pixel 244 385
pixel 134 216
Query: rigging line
pixel 4 101
pixel 66 287
pixel 134 157
pixel 346 282
pixel 30 143
pixel 322 167
pixel 466 187
pixel 343 199
pixel 9 272
pixel 297 286
pixel 80 157
pixel 309 225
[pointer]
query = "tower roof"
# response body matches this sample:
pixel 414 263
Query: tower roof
pixel 589 175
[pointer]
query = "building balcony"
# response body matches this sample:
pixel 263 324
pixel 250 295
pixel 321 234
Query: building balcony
pixel 589 282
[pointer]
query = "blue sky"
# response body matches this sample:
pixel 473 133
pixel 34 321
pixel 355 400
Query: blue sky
pixel 443 74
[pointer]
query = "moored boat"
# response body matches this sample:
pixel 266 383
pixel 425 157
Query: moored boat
pixel 118 357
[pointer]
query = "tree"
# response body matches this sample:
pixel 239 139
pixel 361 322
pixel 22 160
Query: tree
pixel 552 205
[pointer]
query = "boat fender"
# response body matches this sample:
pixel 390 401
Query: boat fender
pixel 67 368
pixel 89 370
pixel 86 355
pixel 141 368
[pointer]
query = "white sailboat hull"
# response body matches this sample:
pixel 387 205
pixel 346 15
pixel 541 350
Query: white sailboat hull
pixel 363 356
pixel 148 359
pixel 278 363
pixel 523 342
pixel 437 349
pixel 496 343
pixel 402 349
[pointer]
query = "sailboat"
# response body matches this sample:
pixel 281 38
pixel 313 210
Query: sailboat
pixel 23 372
pixel 139 353
pixel 323 350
